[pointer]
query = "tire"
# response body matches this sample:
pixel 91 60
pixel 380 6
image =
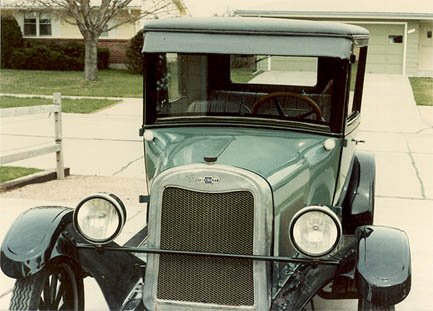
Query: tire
pixel 365 305
pixel 56 287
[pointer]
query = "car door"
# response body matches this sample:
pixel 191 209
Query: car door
pixel 353 118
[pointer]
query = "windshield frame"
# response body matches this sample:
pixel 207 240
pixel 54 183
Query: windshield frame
pixel 334 126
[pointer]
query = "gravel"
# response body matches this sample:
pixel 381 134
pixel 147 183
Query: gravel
pixel 75 187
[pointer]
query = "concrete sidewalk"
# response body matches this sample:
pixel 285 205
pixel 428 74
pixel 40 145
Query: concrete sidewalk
pixel 107 144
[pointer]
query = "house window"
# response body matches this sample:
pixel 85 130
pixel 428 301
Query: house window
pixel 37 24
pixel 44 24
pixel 429 34
pixel 395 39
pixel 105 31
pixel 30 24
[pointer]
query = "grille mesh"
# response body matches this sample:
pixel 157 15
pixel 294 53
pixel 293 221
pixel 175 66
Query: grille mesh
pixel 207 222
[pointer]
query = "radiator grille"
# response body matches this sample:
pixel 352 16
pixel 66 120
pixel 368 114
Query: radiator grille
pixel 207 222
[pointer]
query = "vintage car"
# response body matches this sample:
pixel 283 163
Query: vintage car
pixel 257 199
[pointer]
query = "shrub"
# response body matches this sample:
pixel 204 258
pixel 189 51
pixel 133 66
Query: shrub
pixel 11 38
pixel 73 49
pixel 134 57
pixel 242 61
pixel 40 55
pixel 19 59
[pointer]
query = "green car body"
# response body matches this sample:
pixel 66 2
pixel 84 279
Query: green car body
pixel 257 198
pixel 296 165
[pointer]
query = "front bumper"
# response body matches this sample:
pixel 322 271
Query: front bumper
pixel 355 265
pixel 303 281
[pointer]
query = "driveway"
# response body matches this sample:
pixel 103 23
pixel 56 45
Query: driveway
pixel 402 143
pixel 400 139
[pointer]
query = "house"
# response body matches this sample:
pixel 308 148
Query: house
pixel 38 23
pixel 401 31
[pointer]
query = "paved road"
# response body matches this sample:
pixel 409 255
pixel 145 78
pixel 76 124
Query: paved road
pixel 400 138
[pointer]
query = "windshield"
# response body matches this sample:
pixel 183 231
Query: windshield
pixel 248 86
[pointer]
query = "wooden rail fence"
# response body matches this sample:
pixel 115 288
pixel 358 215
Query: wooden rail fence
pixel 57 146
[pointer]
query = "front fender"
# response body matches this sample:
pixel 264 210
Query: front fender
pixel 29 243
pixel 383 268
pixel 358 205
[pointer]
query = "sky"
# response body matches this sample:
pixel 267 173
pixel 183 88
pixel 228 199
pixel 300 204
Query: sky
pixel 210 7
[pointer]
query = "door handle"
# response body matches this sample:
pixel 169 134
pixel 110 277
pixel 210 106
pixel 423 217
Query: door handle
pixel 356 141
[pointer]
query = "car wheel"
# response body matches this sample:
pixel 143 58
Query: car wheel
pixel 56 287
pixel 365 305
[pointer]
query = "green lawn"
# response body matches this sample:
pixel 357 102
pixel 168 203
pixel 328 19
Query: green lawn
pixel 242 75
pixel 111 83
pixel 14 172
pixel 422 90
pixel 68 105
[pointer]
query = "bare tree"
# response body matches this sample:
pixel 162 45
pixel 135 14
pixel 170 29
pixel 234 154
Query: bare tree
pixel 92 18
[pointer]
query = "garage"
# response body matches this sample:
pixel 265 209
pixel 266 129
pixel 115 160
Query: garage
pixel 385 48
pixel 385 51
pixel 401 39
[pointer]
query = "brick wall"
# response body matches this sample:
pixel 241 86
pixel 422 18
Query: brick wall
pixel 117 49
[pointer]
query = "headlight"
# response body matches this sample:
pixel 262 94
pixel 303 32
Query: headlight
pixel 315 231
pixel 100 217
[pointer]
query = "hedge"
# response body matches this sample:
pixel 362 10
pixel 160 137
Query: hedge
pixel 39 55
pixel 11 38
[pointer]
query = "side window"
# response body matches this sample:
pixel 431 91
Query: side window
pixel 173 76
pixel 357 72
pixel 167 83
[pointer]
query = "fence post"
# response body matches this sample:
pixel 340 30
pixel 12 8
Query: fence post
pixel 57 100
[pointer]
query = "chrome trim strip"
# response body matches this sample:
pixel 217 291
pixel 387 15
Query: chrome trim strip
pixel 189 177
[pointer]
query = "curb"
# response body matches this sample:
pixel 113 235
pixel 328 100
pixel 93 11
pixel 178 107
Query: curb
pixel 39 177
pixel 68 96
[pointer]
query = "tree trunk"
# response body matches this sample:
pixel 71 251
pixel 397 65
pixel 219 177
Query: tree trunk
pixel 91 59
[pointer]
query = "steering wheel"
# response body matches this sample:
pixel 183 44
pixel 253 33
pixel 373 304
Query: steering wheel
pixel 273 96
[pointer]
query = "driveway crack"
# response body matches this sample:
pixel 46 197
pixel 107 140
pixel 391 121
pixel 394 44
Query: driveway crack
pixel 127 165
pixel 418 175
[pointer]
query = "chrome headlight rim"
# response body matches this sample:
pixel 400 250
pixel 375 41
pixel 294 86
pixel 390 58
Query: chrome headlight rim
pixel 120 211
pixel 319 208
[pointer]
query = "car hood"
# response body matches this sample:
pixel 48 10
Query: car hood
pixel 278 156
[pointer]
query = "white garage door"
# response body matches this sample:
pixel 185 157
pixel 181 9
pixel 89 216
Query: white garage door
pixel 385 48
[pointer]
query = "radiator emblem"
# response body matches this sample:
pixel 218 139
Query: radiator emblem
pixel 208 180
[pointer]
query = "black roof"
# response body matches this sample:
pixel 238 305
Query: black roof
pixel 255 25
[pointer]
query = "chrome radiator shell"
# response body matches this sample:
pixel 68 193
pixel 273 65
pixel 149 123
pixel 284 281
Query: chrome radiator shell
pixel 218 180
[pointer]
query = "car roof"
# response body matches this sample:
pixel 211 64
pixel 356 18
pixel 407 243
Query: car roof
pixel 254 25
pixel 252 36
